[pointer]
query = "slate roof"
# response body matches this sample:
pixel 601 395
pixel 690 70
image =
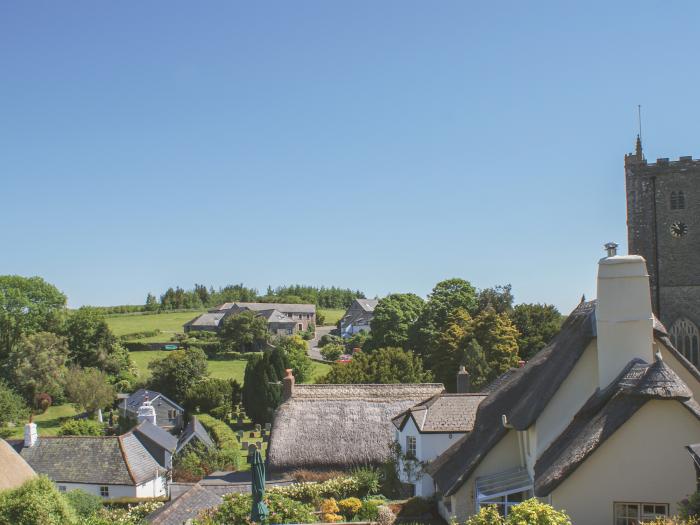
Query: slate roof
pixel 521 397
pixel 157 435
pixel 603 414
pixel 282 307
pixel 443 413
pixel 209 319
pixel 135 400
pixel 194 429
pixel 368 305
pixel 111 460
pixel 14 470
pixel 343 425
pixel 275 316
pixel 186 507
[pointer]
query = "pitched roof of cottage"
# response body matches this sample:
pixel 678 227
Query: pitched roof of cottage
pixel 342 425
pixel 442 413
pixel 363 315
pixel 14 470
pixel 368 305
pixel 209 319
pixel 194 429
pixel 521 397
pixel 186 507
pixel 110 460
pixel 157 435
pixel 603 414
pixel 282 307
pixel 275 316
pixel 135 400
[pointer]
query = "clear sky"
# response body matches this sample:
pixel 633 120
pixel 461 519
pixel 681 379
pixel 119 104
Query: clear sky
pixel 379 145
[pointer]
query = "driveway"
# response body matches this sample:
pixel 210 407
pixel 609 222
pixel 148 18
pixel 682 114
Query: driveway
pixel 314 352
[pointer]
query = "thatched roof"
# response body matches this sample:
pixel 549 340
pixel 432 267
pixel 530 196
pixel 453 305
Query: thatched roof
pixel 521 396
pixel 340 426
pixel 14 470
pixel 603 414
pixel 444 413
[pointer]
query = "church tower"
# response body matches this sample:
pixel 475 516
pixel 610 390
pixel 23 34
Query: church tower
pixel 663 226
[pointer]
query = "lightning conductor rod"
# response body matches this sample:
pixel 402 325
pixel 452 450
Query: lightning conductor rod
pixel 639 118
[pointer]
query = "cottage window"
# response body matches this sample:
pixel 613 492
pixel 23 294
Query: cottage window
pixel 633 513
pixel 104 491
pixel 503 489
pixel 61 488
pixel 685 336
pixel 410 447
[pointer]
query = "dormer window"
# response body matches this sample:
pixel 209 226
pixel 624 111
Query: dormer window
pixel 677 200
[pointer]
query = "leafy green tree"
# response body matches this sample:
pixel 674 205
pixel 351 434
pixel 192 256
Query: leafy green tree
pixel 262 388
pixel 36 502
pixel 13 409
pixel 393 317
pixel 81 427
pixel 385 365
pixel 92 343
pixel 209 394
pixel 296 350
pixel 151 303
pixel 27 305
pixel 332 351
pixel 177 372
pixel 500 298
pixel 446 297
pixel 499 338
pixel 89 388
pixel 38 365
pixel 244 332
pixel 536 324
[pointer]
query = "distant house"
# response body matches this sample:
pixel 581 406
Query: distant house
pixel 358 317
pixel 343 426
pixel 168 414
pixel 428 429
pixel 160 443
pixel 107 466
pixel 14 470
pixel 282 319
pixel 194 431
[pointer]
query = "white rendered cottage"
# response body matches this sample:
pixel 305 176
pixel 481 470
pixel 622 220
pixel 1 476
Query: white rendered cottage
pixel 428 429
pixel 597 423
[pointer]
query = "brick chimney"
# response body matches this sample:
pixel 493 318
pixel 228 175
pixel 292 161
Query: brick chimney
pixel 463 382
pixel 288 385
pixel 624 322
pixel 30 435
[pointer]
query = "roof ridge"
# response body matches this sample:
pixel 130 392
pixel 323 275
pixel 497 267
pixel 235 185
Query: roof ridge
pixel 124 456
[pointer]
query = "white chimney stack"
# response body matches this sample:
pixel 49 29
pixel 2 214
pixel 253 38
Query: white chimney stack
pixel 30 435
pixel 146 412
pixel 624 320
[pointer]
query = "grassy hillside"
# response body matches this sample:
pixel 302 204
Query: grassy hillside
pixel 333 315
pixel 168 322
pixel 49 422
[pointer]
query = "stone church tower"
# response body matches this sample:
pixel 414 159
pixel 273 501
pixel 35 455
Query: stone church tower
pixel 663 226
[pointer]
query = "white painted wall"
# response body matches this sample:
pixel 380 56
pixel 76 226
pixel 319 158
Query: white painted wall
pixel 151 489
pixel 644 461
pixel 680 369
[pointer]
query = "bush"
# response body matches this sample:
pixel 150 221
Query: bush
pixel 532 512
pixel 369 510
pixel 36 502
pixel 236 509
pixel 13 409
pixel 312 492
pixel 83 503
pixel 331 352
pixel 349 507
pixel 209 394
pixel 368 480
pixel 220 432
pixel 304 476
pixel 690 507
pixel 330 339
pixel 81 427
pixel 329 511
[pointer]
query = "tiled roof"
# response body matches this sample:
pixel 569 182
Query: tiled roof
pixel 194 429
pixel 186 507
pixel 443 413
pixel 282 307
pixel 157 435
pixel 135 400
pixel 209 319
pixel 112 460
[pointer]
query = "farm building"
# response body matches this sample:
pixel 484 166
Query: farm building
pixel 282 319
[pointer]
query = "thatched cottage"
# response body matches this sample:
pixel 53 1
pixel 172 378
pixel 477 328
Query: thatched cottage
pixel 337 427
pixel 14 470
pixel 597 423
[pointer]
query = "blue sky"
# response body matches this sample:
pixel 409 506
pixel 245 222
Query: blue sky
pixel 374 145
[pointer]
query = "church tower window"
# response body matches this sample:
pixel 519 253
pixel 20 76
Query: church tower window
pixel 677 200
pixel 686 338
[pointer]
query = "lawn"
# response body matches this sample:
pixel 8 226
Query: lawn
pixel 168 322
pixel 333 315
pixel 48 423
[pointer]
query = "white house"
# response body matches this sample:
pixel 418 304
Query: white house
pixel 107 466
pixel 428 429
pixel 597 423
pixel 358 317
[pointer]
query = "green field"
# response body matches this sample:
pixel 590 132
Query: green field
pixel 230 369
pixel 169 323
pixel 48 423
pixel 333 315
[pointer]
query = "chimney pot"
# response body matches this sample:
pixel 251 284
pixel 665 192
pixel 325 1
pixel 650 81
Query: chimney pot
pixel 463 381
pixel 288 385
pixel 611 248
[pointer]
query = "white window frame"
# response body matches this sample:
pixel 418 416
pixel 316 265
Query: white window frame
pixel 411 443
pixel 642 514
pixel 104 491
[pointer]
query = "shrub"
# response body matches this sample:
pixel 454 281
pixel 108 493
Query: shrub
pixel 329 511
pixel 532 512
pixel 690 507
pixel 220 432
pixel 368 480
pixel 81 427
pixel 337 488
pixel 208 394
pixel 13 409
pixel 349 507
pixel 369 510
pixel 236 509
pixel 83 503
pixel 36 502
pixel 488 515
pixel 331 352
pixel 330 339
pixel 304 476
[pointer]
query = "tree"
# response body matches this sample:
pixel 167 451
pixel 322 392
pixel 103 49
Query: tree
pixel 498 338
pixel 92 343
pixel 27 305
pixel 244 332
pixel 332 351
pixel 38 365
pixel 262 388
pixel 296 350
pixel 393 317
pixel 13 409
pixel 446 297
pixel 35 502
pixel 537 324
pixel 81 427
pixel 500 298
pixel 209 394
pixel 385 365
pixel 151 303
pixel 89 388
pixel 177 372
